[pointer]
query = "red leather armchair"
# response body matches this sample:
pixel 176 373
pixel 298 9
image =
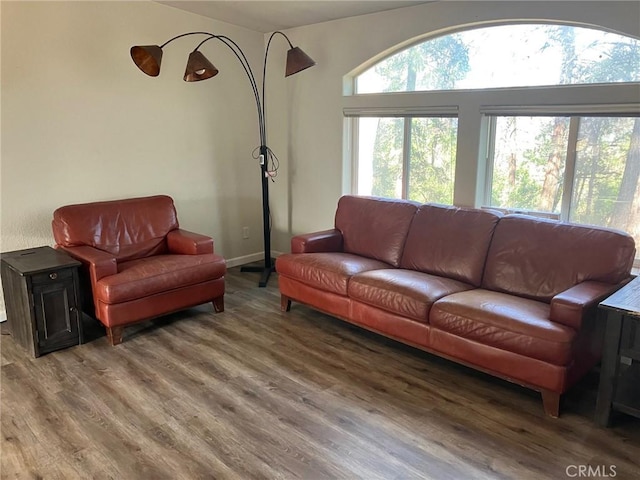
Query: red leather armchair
pixel 137 263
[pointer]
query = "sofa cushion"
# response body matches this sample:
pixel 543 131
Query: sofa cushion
pixel 374 227
pixel 325 271
pixel 160 273
pixel 127 229
pixel 504 321
pixel 402 292
pixel 538 258
pixel 450 242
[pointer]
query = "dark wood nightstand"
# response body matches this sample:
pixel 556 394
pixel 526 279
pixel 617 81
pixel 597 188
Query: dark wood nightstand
pixel 620 372
pixel 42 299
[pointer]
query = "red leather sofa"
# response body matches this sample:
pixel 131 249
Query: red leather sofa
pixel 513 296
pixel 137 263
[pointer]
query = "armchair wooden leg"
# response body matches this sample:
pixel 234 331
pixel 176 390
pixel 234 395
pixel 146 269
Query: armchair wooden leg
pixel 115 335
pixel 551 403
pixel 285 303
pixel 218 304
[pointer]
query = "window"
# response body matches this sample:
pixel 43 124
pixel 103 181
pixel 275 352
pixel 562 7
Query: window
pixel 607 170
pixel 411 158
pixel 507 56
pixel 578 169
pixel 527 164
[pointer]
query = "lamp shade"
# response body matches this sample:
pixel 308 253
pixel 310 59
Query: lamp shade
pixel 199 68
pixel 297 61
pixel 147 58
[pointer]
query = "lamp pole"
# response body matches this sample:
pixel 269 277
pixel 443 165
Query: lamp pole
pixel 148 59
pixel 268 267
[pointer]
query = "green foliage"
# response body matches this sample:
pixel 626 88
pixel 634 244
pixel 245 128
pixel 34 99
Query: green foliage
pixel 432 160
pixel 432 65
pixel 387 158
pixel 600 165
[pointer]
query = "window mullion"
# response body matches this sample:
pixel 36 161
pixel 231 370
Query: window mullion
pixel 570 169
pixel 490 153
pixel 353 131
pixel 406 153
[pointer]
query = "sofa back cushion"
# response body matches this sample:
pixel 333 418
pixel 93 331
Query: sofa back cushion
pixel 374 227
pixel 127 229
pixel 450 242
pixel 538 258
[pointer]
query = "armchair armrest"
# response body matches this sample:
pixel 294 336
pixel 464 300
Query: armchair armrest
pixel 569 307
pixel 184 242
pixel 324 241
pixel 99 263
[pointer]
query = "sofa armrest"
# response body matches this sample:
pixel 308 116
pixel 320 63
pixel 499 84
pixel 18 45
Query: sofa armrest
pixel 569 307
pixel 324 241
pixel 184 242
pixel 99 263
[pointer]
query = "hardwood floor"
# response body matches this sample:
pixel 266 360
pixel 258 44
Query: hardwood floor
pixel 256 393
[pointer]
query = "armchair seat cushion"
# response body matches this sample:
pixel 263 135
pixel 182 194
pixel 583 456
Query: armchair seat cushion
pixel 160 273
pixel 404 292
pixel 507 322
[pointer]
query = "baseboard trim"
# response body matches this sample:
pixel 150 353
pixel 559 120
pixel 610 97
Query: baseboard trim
pixel 254 257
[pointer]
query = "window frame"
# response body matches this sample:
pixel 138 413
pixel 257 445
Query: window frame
pixel 472 108
pixel 568 176
pixel 571 153
pixel 407 115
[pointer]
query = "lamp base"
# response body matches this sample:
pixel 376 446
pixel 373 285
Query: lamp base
pixel 264 270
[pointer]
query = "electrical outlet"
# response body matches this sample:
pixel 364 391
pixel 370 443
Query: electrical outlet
pixel 245 232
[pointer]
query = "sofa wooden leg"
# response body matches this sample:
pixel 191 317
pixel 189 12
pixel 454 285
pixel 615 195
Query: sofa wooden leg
pixel 285 303
pixel 551 403
pixel 115 335
pixel 218 304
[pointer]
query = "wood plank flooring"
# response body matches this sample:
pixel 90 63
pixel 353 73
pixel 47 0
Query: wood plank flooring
pixel 256 393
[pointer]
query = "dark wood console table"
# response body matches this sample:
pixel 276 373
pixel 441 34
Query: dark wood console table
pixel 620 372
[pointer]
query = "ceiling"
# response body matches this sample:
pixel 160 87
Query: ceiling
pixel 267 16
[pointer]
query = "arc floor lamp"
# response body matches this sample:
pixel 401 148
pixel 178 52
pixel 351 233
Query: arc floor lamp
pixel 148 59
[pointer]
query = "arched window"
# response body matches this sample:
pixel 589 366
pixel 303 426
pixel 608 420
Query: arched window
pixel 502 56
pixel 550 115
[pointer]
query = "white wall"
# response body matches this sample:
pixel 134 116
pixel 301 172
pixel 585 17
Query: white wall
pixel 81 123
pixel 314 164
